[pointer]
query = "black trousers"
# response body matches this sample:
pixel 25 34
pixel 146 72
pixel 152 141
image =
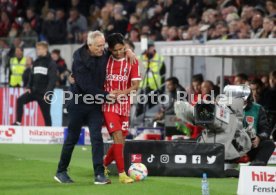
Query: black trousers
pixel 29 97
pixel 80 114
pixel 262 152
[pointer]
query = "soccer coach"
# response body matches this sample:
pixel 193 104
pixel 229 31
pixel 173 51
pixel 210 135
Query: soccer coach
pixel 89 69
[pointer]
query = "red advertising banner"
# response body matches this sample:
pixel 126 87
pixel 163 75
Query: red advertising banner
pixel 32 115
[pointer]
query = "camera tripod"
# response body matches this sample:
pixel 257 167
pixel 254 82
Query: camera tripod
pixel 146 90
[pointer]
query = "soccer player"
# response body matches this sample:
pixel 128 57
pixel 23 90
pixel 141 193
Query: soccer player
pixel 122 78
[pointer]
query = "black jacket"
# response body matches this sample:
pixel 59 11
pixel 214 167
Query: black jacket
pixel 89 72
pixel 43 75
pixel 177 13
pixel 269 100
pixel 54 31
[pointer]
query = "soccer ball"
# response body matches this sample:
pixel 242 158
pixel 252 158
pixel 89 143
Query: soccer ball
pixel 138 171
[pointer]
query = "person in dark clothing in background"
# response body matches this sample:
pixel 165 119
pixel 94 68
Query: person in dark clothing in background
pixel 258 91
pixel 270 103
pixel 42 80
pixel 28 35
pixel 119 23
pixel 60 4
pixel 195 88
pixel 61 16
pixel 82 6
pixel 63 72
pixel 54 31
pixel 27 72
pixel 255 118
pixel 173 87
pixel 271 93
pixel 265 81
pixel 76 24
pixel 175 12
pixel 240 79
pixel 33 19
pixel 207 88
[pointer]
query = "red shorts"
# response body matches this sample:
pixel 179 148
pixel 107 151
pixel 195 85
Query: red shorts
pixel 115 122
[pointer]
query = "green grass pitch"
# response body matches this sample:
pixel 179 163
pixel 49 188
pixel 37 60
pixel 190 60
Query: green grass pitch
pixel 29 169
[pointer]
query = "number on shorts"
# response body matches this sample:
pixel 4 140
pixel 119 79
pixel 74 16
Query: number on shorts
pixel 125 126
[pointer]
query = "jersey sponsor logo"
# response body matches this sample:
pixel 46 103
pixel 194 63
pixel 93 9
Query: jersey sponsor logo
pixel 40 70
pixel 116 77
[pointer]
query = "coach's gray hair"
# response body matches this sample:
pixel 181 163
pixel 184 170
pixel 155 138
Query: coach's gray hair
pixel 92 35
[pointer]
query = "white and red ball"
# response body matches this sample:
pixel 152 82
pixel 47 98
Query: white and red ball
pixel 138 171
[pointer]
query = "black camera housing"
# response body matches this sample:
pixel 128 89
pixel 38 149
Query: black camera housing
pixel 204 113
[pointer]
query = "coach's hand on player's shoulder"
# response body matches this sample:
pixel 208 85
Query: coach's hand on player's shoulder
pixel 131 56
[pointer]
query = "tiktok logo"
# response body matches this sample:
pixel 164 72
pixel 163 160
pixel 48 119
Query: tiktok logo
pixel 151 158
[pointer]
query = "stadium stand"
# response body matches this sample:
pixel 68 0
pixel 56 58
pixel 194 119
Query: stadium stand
pixel 168 20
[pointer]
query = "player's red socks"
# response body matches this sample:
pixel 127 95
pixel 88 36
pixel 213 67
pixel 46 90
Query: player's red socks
pixel 109 156
pixel 118 154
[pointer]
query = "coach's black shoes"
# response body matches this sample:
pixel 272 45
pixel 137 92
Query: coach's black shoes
pixel 63 177
pixel 101 180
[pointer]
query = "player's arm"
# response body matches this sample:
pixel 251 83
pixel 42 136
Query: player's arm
pixel 131 57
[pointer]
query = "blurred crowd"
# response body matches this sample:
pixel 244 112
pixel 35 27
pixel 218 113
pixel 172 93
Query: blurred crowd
pixel 64 21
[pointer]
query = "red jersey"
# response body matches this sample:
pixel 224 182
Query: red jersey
pixel 119 74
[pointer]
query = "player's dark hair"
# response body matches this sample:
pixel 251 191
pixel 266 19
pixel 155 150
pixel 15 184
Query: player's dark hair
pixel 115 38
